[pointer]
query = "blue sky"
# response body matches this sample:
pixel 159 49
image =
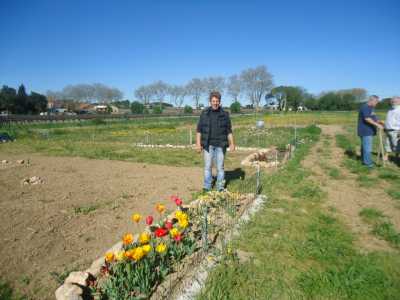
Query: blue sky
pixel 320 45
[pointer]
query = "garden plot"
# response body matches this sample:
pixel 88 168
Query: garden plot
pixel 153 263
pixel 51 229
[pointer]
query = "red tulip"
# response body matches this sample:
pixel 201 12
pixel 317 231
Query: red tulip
pixel 168 224
pixel 149 220
pixel 160 232
pixel 178 238
pixel 178 201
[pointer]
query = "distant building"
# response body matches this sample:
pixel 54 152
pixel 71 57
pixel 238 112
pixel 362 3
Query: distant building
pixel 272 106
pixel 102 109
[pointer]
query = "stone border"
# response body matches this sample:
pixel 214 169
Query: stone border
pixel 193 284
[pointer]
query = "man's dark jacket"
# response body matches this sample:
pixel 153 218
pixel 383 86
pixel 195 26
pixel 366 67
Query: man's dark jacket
pixel 223 127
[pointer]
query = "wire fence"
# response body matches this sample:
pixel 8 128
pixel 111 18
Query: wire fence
pixel 220 217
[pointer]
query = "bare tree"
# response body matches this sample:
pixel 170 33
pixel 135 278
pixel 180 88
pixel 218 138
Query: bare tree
pixel 144 94
pixel 177 94
pixel 86 92
pixel 359 93
pixel 159 90
pixel 89 92
pixel 196 89
pixel 55 95
pixel 256 82
pixel 105 94
pixel 216 83
pixel 234 87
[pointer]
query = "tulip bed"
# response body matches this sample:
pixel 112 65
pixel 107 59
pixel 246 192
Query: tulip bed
pixel 146 260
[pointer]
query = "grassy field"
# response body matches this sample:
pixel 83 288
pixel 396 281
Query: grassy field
pixel 299 245
pixel 116 139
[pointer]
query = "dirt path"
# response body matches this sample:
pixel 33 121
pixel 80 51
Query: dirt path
pixel 83 207
pixel 345 194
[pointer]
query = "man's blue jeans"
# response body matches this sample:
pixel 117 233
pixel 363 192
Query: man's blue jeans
pixel 366 149
pixel 215 154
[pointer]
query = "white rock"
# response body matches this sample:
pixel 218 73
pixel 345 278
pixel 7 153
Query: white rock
pixel 69 292
pixel 78 278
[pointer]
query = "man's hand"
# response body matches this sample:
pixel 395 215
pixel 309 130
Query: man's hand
pixel 198 148
pixel 379 126
pixel 232 147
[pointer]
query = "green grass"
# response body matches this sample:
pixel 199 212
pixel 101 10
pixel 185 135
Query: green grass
pixel 371 214
pixel 85 209
pixel 116 140
pixel 389 175
pixel 366 181
pixel 8 293
pixel 394 193
pixel 303 253
pixel 381 225
pixel 334 173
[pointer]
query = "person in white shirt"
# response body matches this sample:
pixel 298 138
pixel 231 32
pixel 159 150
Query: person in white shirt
pixel 392 128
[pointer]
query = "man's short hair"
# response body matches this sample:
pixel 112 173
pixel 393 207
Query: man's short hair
pixel 215 94
pixel 373 98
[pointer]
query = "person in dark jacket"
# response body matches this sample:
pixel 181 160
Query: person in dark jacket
pixel 368 122
pixel 214 135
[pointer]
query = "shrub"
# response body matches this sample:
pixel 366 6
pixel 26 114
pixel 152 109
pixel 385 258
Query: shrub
pixel 137 107
pixel 235 107
pixel 157 110
pixel 188 109
pixel 98 121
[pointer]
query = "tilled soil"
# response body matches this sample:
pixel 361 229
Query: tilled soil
pixel 81 208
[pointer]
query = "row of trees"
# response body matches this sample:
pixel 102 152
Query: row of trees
pixel 19 102
pixel 294 96
pixel 254 83
pixel 96 92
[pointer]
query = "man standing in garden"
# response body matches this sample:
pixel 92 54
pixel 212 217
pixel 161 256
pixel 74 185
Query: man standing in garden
pixel 392 128
pixel 367 124
pixel 214 135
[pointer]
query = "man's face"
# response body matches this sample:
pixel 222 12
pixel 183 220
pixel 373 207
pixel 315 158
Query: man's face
pixel 374 102
pixel 214 103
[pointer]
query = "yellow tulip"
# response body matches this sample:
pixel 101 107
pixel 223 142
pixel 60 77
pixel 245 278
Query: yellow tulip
pixel 160 208
pixel 183 216
pixel 129 253
pixel 119 255
pixel 146 248
pixel 183 223
pixel 161 248
pixel 174 232
pixel 109 257
pixel 136 218
pixel 137 254
pixel 178 214
pixel 127 239
pixel 144 238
